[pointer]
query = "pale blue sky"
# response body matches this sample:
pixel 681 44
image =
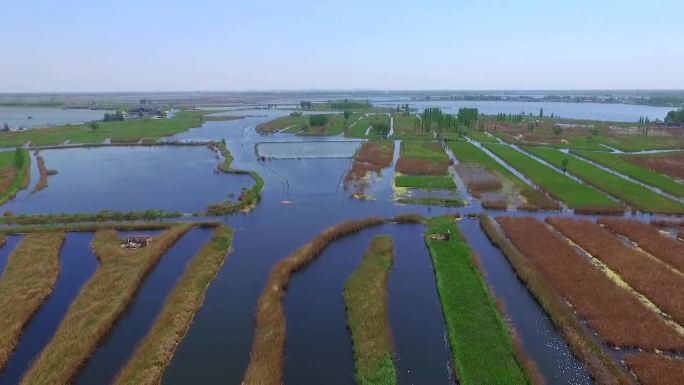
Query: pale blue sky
pixel 86 45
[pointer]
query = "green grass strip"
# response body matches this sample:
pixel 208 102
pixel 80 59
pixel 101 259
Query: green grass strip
pixel 573 193
pixel 642 174
pixel 366 302
pixel 153 355
pixel 358 129
pixel 480 340
pixel 23 174
pixel 632 193
pixel 425 181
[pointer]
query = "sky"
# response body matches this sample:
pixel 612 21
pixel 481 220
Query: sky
pixel 226 45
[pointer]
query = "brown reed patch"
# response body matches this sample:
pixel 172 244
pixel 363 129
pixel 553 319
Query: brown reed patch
pixel 656 369
pixel 599 210
pixel 99 304
pixel 152 356
pixel 650 239
pixel 266 359
pixel 619 317
pixel 648 276
pixel 373 156
pixel 414 166
pixel 478 179
pixel 671 164
pixel 27 280
pixel 44 173
pixel 598 362
pixel 7 176
pixel 667 223
pixel 536 200
pixel 495 204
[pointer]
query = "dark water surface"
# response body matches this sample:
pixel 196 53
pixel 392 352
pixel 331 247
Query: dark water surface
pixel 77 264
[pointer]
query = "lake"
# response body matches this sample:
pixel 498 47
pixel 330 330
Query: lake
pixel 17 117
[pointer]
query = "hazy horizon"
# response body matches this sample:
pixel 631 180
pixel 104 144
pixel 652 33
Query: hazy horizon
pixel 265 46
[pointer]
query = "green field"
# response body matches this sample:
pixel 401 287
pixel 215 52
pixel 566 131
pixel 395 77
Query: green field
pixel 573 193
pixel 642 174
pixel 8 160
pixel 427 150
pixel 480 340
pixel 632 193
pixel 358 128
pixel 469 153
pixel 129 131
pixel 425 182
pixel 631 143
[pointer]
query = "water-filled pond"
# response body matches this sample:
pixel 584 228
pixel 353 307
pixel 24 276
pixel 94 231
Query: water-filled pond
pixel 32 117
pixel 128 178
pixel 297 150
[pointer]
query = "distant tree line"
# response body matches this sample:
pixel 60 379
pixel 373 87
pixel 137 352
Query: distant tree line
pixel 117 116
pixel 675 116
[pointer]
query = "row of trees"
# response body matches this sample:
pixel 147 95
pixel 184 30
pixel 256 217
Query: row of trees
pixel 18 158
pixel 117 116
pixel 675 116
pixel 318 120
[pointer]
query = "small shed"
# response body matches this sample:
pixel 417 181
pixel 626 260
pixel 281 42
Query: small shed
pixel 136 242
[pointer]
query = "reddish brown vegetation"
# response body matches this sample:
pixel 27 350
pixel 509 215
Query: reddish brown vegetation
pixel 372 157
pixel 44 173
pixel 266 363
pixel 478 179
pixel 414 166
pixel 536 200
pixel 656 369
pixel 646 275
pixel 667 223
pixel 618 316
pixel 601 366
pixel 495 205
pixel 671 164
pixel 650 239
pixel 599 210
pixel 7 176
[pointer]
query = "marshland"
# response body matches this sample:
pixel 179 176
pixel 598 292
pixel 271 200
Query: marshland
pixel 344 241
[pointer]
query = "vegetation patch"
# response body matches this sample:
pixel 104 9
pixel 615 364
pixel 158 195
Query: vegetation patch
pixel 154 353
pixel 598 362
pixel 632 193
pixel 422 158
pixel 372 157
pixel 366 302
pixel 671 164
pixel 44 173
pixel 656 369
pixel 425 182
pixel 649 239
pixel 128 131
pixel 432 201
pixel 248 197
pixel 101 301
pixel 635 171
pixel 574 194
pixel 266 360
pixel 100 216
pixel 27 280
pixel 477 333
pixel 647 276
pixel 613 312
pixel 15 170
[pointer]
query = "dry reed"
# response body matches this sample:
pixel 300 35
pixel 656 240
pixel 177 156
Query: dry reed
pixel 599 364
pixel 616 314
pixel 650 239
pixel 152 356
pixel 656 369
pixel 27 280
pixel 648 276
pixel 101 301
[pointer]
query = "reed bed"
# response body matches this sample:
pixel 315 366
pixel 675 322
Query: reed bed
pixel 598 362
pixel 44 173
pixel 266 360
pixel 101 301
pixel 614 313
pixel 89 227
pixel 413 166
pixel 477 333
pixel 27 280
pixel 248 197
pixel 599 210
pixel 656 369
pixel 648 276
pixel 373 156
pixel 366 302
pixel 153 355
pixel 650 239
pixel 500 204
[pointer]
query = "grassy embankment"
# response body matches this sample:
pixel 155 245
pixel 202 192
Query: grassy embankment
pixel 248 197
pixel 598 362
pixel 576 195
pixel 468 153
pixel 27 280
pixel 648 276
pixel 642 174
pixel 656 369
pixel 101 301
pixel 358 128
pixel 120 132
pixel 290 124
pixel 632 143
pixel 477 332
pixel 406 128
pixel 268 347
pixel 44 173
pixel 366 303
pixel 152 356
pixel 614 312
pixel 101 216
pixel 14 177
pixel 631 193
pixel 649 239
